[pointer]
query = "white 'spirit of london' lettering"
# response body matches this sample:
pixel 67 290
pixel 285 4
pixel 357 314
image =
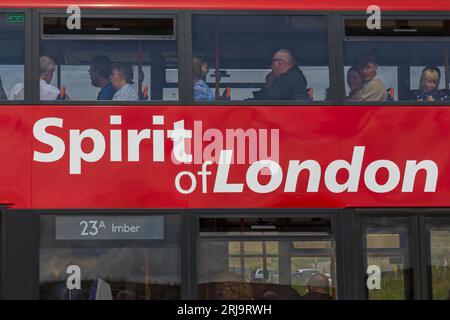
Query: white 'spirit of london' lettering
pixel 188 145
pixel 182 152
pixel 353 168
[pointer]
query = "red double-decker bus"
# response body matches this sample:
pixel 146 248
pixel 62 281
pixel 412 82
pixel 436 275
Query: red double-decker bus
pixel 225 150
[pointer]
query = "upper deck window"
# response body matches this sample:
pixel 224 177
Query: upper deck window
pixel 406 60
pixel 114 58
pixel 260 57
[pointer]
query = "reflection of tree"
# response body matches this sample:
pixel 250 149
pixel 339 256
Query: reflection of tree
pixel 392 287
pixel 238 290
pixel 57 290
pixel 226 290
pixel 440 282
pixel 157 291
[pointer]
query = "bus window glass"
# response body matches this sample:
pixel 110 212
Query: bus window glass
pixel 109 258
pixel 387 259
pixel 238 57
pixel 398 63
pixel 90 66
pixel 12 55
pixel 438 232
pixel 303 267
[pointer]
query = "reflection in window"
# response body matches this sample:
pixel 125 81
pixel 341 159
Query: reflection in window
pixel 126 273
pixel 386 245
pixel 111 269
pixel 260 58
pixel 12 55
pixel 122 69
pixel 267 269
pixel 439 264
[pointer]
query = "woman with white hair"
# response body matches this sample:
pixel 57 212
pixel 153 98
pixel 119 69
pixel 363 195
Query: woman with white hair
pixel 122 80
pixel 47 67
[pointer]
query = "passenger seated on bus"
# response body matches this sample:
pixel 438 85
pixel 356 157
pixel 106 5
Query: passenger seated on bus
pixel 318 288
pixel 355 83
pixel 122 80
pixel 285 82
pixel 2 92
pixel 429 85
pixel 47 67
pixel 17 92
pixel 202 92
pixel 373 88
pixel 100 73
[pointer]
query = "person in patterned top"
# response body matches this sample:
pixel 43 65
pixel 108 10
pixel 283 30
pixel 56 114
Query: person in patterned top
pixel 202 92
pixel 122 80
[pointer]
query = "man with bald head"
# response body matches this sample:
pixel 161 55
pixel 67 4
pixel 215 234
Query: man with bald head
pixel 285 82
pixel 318 288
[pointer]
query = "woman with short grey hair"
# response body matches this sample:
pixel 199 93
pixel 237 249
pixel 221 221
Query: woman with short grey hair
pixel 122 80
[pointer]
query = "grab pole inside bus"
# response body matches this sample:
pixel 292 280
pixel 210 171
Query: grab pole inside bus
pixel 58 64
pixel 217 94
pixel 139 61
pixel 446 55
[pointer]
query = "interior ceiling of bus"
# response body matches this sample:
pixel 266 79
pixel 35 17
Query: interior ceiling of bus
pixel 81 52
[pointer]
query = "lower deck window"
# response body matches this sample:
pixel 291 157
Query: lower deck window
pixel 119 267
pixel 268 259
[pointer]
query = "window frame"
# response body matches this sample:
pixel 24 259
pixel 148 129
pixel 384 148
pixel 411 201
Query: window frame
pixel 27 36
pixel 389 15
pixel 38 18
pixel 332 214
pixel 183 20
pixel 35 246
pixel 330 30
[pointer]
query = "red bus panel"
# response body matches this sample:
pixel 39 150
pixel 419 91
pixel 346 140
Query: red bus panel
pixel 400 5
pixel 371 150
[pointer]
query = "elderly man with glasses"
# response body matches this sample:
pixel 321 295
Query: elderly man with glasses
pixel 285 82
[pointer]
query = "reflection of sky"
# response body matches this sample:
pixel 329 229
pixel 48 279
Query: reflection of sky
pixel 115 263
pixel 11 75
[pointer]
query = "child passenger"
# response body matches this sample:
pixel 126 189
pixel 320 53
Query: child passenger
pixel 429 85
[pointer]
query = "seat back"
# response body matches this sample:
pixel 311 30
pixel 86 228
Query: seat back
pixel 310 92
pixel 144 94
pixel 62 93
pixel 390 94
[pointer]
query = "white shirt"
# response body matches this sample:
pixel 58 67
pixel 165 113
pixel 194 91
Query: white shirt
pixel 126 93
pixel 47 91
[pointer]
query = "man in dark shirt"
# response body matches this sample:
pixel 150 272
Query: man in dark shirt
pixel 100 71
pixel 285 82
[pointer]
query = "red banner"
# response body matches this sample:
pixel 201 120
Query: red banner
pixel 224 157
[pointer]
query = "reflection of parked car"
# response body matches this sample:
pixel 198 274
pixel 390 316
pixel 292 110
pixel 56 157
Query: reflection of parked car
pixel 303 275
pixel 271 275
